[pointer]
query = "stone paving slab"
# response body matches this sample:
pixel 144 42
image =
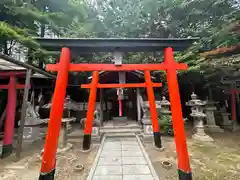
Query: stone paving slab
pixel 112 147
pixel 108 170
pixel 132 153
pixel 111 153
pixel 122 159
pixel 136 169
pixel 110 161
pixel 133 160
pixel 128 147
pixel 137 177
pixel 108 177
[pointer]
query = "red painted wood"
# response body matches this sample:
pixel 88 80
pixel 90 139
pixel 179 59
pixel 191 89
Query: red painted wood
pixel 120 107
pixel 12 73
pixel 112 67
pixel 54 124
pixel 133 85
pixel 91 103
pixel 177 118
pixel 152 103
pixel 10 112
pixel 18 86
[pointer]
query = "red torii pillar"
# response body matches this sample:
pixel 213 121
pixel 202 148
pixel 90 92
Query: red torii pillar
pixel 12 87
pixel 54 124
pixel 184 170
pixel 153 111
pixel 90 112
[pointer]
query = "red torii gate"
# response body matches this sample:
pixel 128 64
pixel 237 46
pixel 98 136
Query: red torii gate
pixel 10 110
pixel 64 66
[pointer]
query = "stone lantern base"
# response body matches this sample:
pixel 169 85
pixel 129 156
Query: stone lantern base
pixel 199 131
pixel 204 138
pixel 213 128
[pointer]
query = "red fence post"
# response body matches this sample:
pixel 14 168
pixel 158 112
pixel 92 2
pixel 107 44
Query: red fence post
pixel 153 111
pixel 10 118
pixel 54 124
pixel 90 112
pixel 184 169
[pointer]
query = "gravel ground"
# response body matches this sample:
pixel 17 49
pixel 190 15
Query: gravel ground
pixel 219 160
pixel 28 168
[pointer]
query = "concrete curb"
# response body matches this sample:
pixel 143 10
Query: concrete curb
pixel 153 172
pixel 93 168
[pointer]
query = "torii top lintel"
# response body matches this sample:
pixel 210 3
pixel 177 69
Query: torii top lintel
pixel 88 45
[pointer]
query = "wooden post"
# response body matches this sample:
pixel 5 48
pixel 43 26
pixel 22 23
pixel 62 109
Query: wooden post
pixel 101 106
pixel 184 169
pixel 23 113
pixel 138 106
pixel 10 118
pixel 55 121
pixel 233 97
pixel 90 112
pixel 209 93
pixel 2 117
pixel 153 111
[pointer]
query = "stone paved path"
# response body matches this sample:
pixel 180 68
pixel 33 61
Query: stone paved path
pixel 122 159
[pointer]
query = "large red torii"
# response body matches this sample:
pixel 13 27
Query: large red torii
pixel 64 67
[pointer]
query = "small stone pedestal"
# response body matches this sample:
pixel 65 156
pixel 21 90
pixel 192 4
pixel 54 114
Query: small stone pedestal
pixel 198 116
pixel 31 133
pixel 226 120
pixel 31 130
pixel 147 130
pixel 63 145
pixel 211 123
pixel 226 123
pixel 235 126
pixel 96 138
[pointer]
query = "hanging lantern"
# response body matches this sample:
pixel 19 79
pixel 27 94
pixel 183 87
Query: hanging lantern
pixel 120 94
pixel 120 98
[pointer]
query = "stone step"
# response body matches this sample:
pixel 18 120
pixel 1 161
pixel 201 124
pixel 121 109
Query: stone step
pixel 121 130
pixel 119 135
pixel 130 126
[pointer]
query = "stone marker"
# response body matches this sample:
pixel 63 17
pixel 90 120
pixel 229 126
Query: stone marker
pixel 211 123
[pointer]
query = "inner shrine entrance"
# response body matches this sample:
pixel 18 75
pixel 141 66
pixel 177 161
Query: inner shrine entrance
pixel 64 67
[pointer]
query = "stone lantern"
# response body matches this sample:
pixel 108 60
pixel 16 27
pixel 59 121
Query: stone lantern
pixel 147 123
pixel 197 107
pixel 211 123
pixel 165 116
pixel 165 106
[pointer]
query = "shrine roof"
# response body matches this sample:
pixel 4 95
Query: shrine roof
pixel 81 45
pixel 9 64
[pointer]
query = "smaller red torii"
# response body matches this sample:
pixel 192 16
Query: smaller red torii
pixel 12 87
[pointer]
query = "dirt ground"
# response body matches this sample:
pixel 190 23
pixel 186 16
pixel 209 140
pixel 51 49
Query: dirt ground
pixel 28 168
pixel 218 160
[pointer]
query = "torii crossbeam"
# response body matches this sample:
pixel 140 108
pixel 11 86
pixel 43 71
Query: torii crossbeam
pixel 64 67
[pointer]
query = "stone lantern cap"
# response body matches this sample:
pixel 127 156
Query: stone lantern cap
pixel 195 102
pixel 164 102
